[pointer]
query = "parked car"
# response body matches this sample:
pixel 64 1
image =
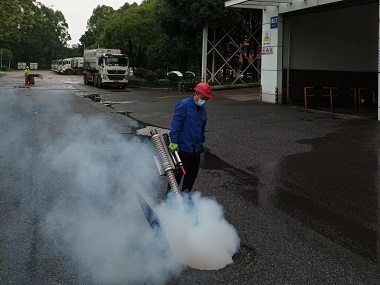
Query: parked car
pixel 176 72
pixel 189 75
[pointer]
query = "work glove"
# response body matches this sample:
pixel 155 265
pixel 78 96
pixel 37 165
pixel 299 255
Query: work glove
pixel 203 147
pixel 173 147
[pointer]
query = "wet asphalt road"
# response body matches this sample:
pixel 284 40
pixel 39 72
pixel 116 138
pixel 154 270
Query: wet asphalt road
pixel 301 188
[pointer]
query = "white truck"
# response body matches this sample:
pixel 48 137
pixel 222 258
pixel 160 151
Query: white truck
pixel 33 65
pixel 77 65
pixel 59 65
pixel 21 65
pixel 54 65
pixel 66 66
pixel 105 67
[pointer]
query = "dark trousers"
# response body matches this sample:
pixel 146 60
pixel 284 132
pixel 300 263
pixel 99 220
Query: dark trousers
pixel 190 163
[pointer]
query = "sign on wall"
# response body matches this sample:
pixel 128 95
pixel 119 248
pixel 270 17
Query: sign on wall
pixel 274 22
pixel 266 40
pixel 267 50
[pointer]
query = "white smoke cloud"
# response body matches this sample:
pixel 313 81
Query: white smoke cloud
pixel 199 237
pixel 99 221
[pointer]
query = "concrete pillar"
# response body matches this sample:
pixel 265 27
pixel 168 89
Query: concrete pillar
pixel 204 54
pixel 271 62
pixel 378 117
pixel 378 74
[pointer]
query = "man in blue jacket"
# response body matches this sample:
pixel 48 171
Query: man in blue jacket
pixel 187 133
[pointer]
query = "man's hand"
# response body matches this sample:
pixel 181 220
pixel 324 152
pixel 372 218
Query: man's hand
pixel 203 147
pixel 173 147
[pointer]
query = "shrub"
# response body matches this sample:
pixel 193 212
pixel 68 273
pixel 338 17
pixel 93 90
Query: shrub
pixel 184 86
pixel 161 74
pixel 139 72
pixel 134 81
pixel 151 76
pixel 4 68
pixel 164 83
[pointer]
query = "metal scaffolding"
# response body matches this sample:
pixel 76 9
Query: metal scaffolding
pixel 232 56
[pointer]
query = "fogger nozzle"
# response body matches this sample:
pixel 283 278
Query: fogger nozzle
pixel 179 162
pixel 167 163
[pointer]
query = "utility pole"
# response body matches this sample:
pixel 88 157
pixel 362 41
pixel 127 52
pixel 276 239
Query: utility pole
pixel 1 60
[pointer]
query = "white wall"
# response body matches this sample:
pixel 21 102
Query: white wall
pixel 271 64
pixel 303 4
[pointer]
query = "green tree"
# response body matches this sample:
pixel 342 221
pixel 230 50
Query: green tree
pixel 6 54
pixel 45 37
pixel 6 57
pixel 134 29
pixel 13 15
pixel 32 31
pixel 88 40
pixel 166 33
pixel 183 22
pixel 96 24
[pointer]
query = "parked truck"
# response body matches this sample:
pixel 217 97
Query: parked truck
pixel 105 67
pixel 77 65
pixel 66 66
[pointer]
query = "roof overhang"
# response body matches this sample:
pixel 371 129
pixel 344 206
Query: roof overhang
pixel 254 4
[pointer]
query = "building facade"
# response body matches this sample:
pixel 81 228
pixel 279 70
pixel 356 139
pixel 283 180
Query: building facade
pixel 319 44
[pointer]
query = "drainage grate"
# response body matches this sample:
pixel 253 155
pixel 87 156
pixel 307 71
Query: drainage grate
pixel 245 255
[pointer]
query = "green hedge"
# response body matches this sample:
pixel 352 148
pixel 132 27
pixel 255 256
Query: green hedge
pixel 186 86
pixel 160 83
pixel 182 86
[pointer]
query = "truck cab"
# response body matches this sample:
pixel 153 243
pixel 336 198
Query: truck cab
pixel 66 66
pixel 106 67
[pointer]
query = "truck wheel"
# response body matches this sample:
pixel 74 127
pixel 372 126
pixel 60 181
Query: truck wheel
pixel 94 79
pixel 85 79
pixel 99 82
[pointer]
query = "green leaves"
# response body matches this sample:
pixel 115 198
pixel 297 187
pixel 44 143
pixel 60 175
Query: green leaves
pixel 31 31
pixel 6 54
pixel 96 24
pixel 134 29
pixel 164 34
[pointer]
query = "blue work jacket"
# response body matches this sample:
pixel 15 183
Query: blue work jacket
pixel 188 125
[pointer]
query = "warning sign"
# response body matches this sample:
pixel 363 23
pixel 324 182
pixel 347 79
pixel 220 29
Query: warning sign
pixel 267 50
pixel 266 40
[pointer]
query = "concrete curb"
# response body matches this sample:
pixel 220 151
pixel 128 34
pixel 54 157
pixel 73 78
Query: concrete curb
pixel 214 87
pixel 235 86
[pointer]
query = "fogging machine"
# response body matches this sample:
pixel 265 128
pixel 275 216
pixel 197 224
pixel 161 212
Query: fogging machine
pixel 168 163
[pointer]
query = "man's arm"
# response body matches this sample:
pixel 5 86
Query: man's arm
pixel 203 138
pixel 203 130
pixel 177 122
